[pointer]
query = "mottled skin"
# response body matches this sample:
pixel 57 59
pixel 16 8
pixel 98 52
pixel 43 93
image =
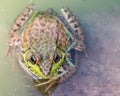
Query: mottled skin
pixel 45 38
pixel 41 42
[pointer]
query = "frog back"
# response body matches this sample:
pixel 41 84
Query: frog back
pixel 44 28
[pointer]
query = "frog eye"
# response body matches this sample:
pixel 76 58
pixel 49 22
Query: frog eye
pixel 57 57
pixel 30 57
pixel 33 59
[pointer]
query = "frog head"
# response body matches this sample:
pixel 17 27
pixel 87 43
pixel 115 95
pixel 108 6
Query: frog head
pixel 43 58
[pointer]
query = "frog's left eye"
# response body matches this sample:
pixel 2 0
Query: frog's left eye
pixel 33 59
pixel 57 57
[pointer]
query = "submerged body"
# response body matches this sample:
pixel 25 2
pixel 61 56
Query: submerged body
pixel 42 41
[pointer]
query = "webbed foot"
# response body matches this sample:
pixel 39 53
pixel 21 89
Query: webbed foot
pixel 48 84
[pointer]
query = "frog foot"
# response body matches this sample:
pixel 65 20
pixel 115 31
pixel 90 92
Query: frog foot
pixel 47 82
pixel 69 72
pixel 11 51
pixel 50 83
pixel 68 59
pixel 68 55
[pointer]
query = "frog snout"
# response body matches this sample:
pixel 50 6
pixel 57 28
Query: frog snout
pixel 45 66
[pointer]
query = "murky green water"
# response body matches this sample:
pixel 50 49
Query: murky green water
pixel 14 83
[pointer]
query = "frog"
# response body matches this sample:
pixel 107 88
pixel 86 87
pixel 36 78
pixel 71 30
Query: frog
pixel 41 41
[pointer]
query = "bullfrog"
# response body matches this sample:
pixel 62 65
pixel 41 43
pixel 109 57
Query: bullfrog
pixel 41 41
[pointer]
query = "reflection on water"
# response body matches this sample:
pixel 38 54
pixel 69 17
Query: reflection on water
pixel 99 19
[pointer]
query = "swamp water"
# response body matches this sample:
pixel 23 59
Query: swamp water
pixel 99 75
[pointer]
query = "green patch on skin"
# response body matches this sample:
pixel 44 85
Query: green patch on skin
pixel 58 64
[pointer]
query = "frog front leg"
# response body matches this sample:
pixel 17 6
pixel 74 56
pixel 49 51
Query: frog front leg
pixel 15 32
pixel 18 23
pixel 75 28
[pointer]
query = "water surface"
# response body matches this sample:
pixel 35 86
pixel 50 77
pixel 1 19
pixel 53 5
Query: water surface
pixel 99 75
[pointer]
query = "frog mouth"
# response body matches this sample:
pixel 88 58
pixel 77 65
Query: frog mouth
pixel 35 76
pixel 28 71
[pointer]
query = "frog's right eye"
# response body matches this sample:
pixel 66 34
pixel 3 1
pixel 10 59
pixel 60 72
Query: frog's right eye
pixel 30 57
